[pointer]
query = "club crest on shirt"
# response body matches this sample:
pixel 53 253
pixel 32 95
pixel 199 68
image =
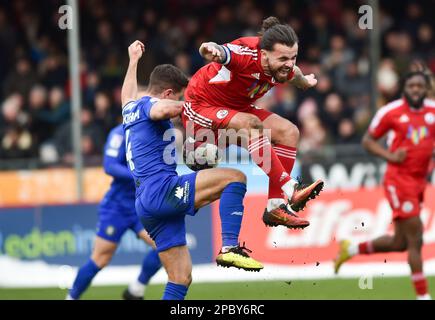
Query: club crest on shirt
pixel 429 118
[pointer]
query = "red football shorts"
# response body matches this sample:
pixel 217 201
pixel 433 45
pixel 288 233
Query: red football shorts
pixel 405 196
pixel 207 116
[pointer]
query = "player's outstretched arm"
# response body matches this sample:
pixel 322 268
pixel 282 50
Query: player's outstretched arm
pixel 302 81
pixel 375 148
pixel 213 52
pixel 115 169
pixel 165 109
pixel 114 157
pixel 129 87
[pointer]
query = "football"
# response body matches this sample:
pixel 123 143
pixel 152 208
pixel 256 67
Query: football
pixel 200 156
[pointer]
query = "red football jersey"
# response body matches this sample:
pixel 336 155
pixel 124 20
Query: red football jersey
pixel 407 128
pixel 236 83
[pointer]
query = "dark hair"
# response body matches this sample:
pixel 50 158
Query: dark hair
pixel 167 76
pixel 411 74
pixel 273 32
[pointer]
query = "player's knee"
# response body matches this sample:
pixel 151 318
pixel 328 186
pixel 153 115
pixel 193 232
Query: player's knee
pixel 293 131
pixel 238 176
pixel 286 133
pixel 415 242
pixel 400 247
pixel 233 175
pixel 101 260
pixel 253 123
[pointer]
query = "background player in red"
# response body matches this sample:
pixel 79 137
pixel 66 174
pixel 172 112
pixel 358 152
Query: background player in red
pixel 221 95
pixel 411 123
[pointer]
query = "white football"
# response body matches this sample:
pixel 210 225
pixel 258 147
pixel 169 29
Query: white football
pixel 204 156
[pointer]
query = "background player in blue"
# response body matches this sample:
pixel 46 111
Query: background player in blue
pixel 162 197
pixel 116 215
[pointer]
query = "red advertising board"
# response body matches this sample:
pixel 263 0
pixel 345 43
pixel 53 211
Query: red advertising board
pixel 356 215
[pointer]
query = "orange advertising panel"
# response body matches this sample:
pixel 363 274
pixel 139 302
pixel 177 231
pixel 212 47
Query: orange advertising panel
pixel 51 186
pixel 355 215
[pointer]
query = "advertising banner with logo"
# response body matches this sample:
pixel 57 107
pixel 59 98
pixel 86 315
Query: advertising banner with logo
pixel 335 215
pixel 63 235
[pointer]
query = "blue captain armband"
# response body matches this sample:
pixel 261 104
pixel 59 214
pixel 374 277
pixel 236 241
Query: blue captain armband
pixel 227 55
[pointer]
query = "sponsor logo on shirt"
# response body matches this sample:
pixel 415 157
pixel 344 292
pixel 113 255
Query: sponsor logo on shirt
pixel 417 134
pixel 258 89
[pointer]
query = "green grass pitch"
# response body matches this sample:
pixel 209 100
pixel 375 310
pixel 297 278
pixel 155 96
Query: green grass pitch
pixel 383 288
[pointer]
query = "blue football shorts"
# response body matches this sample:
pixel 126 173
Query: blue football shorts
pixel 162 206
pixel 112 225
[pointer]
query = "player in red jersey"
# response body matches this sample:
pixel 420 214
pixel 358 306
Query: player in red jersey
pixel 410 122
pixel 221 95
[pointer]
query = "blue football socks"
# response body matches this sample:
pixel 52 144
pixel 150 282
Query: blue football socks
pixel 231 212
pixel 174 291
pixel 83 279
pixel 150 265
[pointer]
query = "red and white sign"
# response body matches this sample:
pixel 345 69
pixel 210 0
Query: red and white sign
pixel 355 215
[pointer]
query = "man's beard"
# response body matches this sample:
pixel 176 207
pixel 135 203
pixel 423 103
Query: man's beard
pixel 275 75
pixel 414 104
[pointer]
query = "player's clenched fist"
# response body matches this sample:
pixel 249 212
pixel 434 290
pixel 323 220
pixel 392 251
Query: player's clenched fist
pixel 311 81
pixel 211 52
pixel 135 50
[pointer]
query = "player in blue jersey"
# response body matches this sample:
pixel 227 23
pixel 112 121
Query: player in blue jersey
pixel 163 198
pixel 116 215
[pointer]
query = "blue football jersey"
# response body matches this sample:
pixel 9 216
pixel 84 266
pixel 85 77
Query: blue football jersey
pixel 121 196
pixel 150 145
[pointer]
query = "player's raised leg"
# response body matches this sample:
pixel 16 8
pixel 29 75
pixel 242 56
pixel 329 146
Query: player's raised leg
pixel 262 153
pixel 230 186
pixel 285 138
pixel 101 255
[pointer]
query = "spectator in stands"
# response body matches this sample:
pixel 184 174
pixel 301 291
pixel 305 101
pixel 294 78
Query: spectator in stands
pixel 34 51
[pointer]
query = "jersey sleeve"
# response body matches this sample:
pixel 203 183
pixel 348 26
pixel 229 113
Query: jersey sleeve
pixel 146 105
pixel 238 56
pixel 114 157
pixel 380 124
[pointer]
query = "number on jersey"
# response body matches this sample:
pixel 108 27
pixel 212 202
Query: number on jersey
pixel 129 154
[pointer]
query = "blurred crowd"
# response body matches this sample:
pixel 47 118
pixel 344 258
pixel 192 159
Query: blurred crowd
pixel 35 89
